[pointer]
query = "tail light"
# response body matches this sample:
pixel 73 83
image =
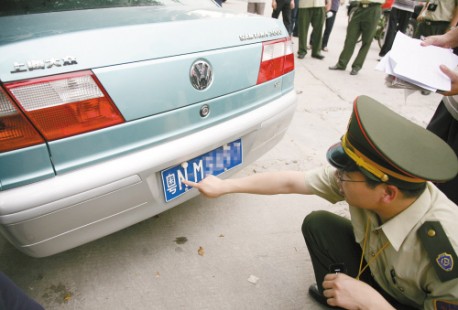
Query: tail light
pixel 277 59
pixel 65 105
pixel 15 131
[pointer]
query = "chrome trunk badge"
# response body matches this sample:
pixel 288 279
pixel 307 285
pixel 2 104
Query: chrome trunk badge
pixel 201 75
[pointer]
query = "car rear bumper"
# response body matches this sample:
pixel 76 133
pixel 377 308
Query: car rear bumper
pixel 71 209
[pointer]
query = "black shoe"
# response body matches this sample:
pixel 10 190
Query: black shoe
pixel 317 295
pixel 354 71
pixel 318 56
pixel 336 67
pixel 301 56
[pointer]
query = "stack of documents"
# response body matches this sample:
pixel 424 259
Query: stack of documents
pixel 410 65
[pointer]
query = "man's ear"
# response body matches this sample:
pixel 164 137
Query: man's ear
pixel 390 193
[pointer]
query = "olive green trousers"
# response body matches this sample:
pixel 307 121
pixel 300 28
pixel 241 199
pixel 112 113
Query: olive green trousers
pixel 314 17
pixel 330 240
pixel 363 22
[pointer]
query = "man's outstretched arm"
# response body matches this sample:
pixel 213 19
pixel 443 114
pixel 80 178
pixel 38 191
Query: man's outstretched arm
pixel 268 183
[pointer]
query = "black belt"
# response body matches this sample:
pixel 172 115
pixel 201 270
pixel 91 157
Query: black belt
pixel 366 5
pixel 436 22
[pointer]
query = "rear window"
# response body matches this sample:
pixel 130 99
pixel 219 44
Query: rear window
pixel 20 7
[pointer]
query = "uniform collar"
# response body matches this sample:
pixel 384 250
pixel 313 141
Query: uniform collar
pixel 398 228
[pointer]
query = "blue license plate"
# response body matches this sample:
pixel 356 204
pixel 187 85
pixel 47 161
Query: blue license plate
pixel 214 162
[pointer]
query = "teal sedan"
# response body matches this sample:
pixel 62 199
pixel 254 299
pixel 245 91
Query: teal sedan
pixel 106 106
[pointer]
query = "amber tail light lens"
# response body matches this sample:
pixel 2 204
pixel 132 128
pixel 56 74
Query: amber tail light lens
pixel 15 130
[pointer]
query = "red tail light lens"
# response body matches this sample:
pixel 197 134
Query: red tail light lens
pixel 15 131
pixel 65 105
pixel 277 59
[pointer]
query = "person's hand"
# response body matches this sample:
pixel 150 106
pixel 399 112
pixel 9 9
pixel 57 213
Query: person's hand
pixel 211 186
pixel 421 15
pixel 292 5
pixel 444 41
pixel 453 80
pixel 420 18
pixel 346 292
pixel 274 5
pixel 438 40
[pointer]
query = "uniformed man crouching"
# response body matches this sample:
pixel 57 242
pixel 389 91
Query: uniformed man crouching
pixel 399 248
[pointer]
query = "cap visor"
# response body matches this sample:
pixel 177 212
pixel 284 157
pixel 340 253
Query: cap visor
pixel 337 157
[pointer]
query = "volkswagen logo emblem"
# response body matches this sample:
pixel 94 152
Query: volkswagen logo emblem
pixel 201 75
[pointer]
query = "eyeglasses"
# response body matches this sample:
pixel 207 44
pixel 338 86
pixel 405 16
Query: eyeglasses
pixel 339 175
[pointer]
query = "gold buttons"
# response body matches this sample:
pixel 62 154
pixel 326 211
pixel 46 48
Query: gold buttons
pixel 431 233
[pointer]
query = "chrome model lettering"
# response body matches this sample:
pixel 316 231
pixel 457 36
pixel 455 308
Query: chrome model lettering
pixel 19 67
pixel 40 64
pixel 260 35
pixel 35 65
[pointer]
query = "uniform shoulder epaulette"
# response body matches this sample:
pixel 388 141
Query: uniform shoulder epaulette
pixel 439 249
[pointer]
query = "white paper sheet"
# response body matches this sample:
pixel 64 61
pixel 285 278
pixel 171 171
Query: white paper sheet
pixel 417 64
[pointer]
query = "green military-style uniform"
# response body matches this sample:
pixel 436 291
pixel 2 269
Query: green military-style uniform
pixel 437 21
pixel 311 12
pixel 363 22
pixel 412 256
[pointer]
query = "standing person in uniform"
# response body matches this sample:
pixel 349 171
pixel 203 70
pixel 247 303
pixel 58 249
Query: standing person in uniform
pixel 437 17
pixel 362 23
pixel 311 12
pixel 256 7
pixel 399 248
pixel 444 122
pixel 284 7
pixel 400 14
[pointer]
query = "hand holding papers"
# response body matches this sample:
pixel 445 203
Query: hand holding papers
pixel 410 65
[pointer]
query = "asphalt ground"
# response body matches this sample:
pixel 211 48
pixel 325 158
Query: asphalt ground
pixel 235 252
